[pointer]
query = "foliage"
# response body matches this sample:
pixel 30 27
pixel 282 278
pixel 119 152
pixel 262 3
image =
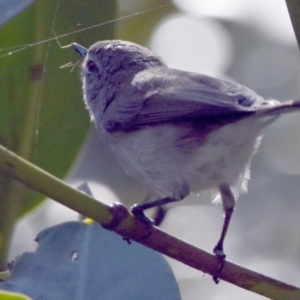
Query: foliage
pixel 75 259
pixel 42 115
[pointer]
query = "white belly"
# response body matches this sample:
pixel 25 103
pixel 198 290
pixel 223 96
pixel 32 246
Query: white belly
pixel 174 160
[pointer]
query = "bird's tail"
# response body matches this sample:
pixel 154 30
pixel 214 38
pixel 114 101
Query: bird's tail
pixel 279 108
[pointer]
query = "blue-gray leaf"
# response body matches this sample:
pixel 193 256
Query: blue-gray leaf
pixel 10 8
pixel 79 261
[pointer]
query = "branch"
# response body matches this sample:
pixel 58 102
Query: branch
pixel 120 220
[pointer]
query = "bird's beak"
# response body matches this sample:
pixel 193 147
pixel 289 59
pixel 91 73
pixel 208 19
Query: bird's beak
pixel 80 50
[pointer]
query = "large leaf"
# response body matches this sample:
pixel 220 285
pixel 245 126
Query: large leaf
pixel 42 115
pixel 79 261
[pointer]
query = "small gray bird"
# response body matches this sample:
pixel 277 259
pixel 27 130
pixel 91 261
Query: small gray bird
pixel 174 131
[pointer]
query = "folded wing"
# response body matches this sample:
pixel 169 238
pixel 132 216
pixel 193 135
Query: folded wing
pixel 185 96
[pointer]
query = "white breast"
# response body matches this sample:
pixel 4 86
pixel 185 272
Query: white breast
pixel 174 160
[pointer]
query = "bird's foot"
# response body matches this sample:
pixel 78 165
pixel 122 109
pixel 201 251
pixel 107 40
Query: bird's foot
pixel 138 211
pixel 218 251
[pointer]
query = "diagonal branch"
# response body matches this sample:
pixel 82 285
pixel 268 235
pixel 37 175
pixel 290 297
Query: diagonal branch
pixel 120 220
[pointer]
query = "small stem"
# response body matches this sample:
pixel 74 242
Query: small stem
pixel 13 193
pixel 30 128
pixel 6 225
pixel 15 166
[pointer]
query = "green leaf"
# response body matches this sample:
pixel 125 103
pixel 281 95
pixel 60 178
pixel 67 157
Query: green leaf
pixel 12 296
pixel 50 101
pixel 42 115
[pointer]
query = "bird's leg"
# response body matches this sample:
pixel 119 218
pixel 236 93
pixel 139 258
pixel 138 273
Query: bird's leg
pixel 160 215
pixel 160 212
pixel 138 209
pixel 228 202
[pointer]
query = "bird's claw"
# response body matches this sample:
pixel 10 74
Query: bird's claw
pixel 138 212
pixel 218 251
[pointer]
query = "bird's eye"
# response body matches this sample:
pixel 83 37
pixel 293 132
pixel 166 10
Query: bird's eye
pixel 91 66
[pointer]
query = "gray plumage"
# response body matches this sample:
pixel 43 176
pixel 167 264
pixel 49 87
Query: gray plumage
pixel 176 132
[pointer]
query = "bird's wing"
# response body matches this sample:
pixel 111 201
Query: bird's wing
pixel 198 97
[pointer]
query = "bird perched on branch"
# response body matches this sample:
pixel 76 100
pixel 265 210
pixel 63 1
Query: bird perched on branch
pixel 174 131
